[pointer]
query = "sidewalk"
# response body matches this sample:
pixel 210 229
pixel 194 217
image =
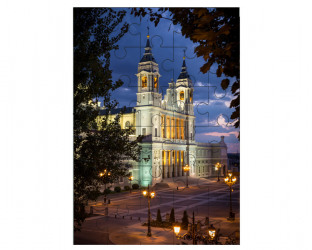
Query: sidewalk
pixel 137 235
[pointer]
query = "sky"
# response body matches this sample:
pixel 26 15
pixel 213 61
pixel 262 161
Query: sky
pixel 211 103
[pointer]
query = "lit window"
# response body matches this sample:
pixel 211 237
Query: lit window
pixel 182 95
pixel 144 82
pixel 155 82
pixel 191 96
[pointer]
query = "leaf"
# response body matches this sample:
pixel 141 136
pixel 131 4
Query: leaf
pixel 225 83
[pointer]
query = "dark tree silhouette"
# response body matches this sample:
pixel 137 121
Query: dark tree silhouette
pixel 98 143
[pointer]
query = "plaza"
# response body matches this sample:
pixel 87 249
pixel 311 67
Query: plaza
pixel 128 211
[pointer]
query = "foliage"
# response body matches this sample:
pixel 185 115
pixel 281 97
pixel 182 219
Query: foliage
pixel 158 218
pixel 117 189
pixel 127 188
pixel 98 143
pixel 107 191
pixel 185 221
pixel 135 186
pixel 172 217
pixel 94 194
pixel 217 31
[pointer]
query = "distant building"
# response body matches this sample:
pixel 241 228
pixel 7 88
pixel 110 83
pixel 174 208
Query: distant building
pixel 168 122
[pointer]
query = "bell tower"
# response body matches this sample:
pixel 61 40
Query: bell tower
pixel 148 79
pixel 185 90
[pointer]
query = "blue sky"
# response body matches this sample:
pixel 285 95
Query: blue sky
pixel 211 102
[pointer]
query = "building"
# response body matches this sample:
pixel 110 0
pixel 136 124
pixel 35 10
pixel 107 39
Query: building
pixel 168 122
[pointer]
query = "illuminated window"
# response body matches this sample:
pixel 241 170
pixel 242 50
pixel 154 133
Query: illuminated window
pixel 155 82
pixel 144 82
pixel 191 96
pixel 127 124
pixel 182 95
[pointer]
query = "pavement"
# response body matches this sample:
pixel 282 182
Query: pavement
pixel 127 212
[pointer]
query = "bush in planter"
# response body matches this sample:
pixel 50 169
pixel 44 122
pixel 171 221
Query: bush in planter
pixel 117 189
pixel 107 191
pixel 127 188
pixel 135 186
pixel 158 219
pixel 172 217
pixel 185 221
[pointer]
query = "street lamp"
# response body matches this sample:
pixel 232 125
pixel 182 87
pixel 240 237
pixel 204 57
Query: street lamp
pixel 212 237
pixel 105 177
pixel 149 195
pixel 218 166
pixel 230 180
pixel 186 169
pixel 130 179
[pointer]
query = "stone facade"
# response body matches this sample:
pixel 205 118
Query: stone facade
pixel 169 125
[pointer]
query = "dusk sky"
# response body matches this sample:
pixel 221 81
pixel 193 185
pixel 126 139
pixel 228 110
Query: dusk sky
pixel 211 103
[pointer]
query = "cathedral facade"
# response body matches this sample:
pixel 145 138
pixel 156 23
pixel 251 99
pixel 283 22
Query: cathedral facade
pixel 168 122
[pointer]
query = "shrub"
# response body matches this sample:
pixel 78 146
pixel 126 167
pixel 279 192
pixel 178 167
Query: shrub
pixel 117 189
pixel 172 217
pixel 158 218
pixel 126 188
pixel 135 186
pixel 185 221
pixel 107 191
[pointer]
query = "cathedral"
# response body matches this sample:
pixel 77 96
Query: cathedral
pixel 168 122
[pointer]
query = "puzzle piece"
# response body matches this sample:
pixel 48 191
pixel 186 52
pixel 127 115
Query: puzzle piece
pixel 198 198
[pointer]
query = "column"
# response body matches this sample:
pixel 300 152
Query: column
pixel 175 129
pixel 178 129
pixel 176 164
pixel 165 126
pixel 163 153
pixel 169 164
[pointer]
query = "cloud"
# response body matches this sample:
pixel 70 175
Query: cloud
pixel 233 147
pixel 222 134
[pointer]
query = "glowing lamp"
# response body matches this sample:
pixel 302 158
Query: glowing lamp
pixel 176 230
pixel 144 192
pixel 101 174
pixel 212 232
pixel 152 194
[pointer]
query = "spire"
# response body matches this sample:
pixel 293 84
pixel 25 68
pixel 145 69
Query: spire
pixel 148 56
pixel 184 73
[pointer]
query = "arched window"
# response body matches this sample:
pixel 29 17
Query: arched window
pixel 127 124
pixel 155 82
pixel 191 96
pixel 182 95
pixel 144 82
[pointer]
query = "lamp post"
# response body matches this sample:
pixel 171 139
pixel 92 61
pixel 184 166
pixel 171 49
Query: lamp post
pixel 149 195
pixel 212 237
pixel 130 179
pixel 230 180
pixel 105 177
pixel 218 166
pixel 186 170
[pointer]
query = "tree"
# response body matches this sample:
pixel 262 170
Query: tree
pixel 98 142
pixel 158 218
pixel 172 217
pixel 185 220
pixel 217 31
